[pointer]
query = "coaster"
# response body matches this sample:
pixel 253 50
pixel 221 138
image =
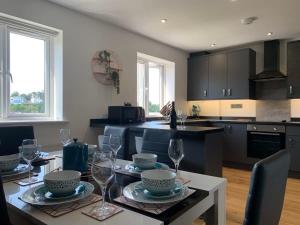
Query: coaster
pixel 62 209
pixel 91 212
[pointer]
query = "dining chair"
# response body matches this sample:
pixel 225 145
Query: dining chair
pixel 103 140
pixel 157 142
pixel 267 190
pixel 11 138
pixel 3 207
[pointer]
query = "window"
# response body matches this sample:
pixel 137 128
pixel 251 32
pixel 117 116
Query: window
pixel 27 69
pixel 153 83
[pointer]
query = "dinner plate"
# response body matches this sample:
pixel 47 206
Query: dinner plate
pixel 174 192
pixel 20 169
pixel 131 193
pixel 49 196
pixel 133 168
pixel 32 197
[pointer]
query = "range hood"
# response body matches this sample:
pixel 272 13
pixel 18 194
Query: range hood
pixel 271 63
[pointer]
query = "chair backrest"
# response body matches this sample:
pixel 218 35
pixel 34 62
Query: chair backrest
pixel 114 130
pixel 3 208
pixel 267 190
pixel 157 142
pixel 11 138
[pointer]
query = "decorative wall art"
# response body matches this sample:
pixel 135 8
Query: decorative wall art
pixel 106 68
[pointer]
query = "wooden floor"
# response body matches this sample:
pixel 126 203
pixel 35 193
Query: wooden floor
pixel 237 191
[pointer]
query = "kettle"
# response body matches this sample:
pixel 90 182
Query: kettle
pixel 75 156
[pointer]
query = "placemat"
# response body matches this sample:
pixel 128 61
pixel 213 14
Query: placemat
pixel 150 208
pixel 91 212
pixel 62 209
pixel 16 177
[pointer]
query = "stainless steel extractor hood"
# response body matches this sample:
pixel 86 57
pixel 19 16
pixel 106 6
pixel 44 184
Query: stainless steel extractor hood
pixel 271 63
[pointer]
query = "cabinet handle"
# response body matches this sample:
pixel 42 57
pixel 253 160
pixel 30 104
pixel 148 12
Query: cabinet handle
pixel 291 90
pixel 229 91
pixel 224 92
pixel 275 129
pixel 205 93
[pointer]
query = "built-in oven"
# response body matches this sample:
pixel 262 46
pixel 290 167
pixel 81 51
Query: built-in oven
pixel 264 140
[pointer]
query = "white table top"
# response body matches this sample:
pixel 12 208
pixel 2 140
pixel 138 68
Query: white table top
pixel 127 217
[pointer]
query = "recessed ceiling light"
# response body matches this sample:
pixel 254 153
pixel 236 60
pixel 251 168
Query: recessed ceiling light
pixel 233 0
pixel 270 33
pixel 213 45
pixel 163 20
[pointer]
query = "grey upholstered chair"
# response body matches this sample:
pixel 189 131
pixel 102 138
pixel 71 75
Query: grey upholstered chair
pixel 267 190
pixel 120 131
pixel 3 208
pixel 157 142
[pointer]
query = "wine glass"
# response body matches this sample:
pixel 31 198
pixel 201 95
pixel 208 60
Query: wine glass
pixel 65 136
pixel 175 152
pixel 115 145
pixel 179 115
pixel 184 117
pixel 102 172
pixel 29 152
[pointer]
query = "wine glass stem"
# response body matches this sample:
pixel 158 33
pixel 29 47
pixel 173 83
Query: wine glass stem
pixel 176 167
pixel 103 191
pixel 29 168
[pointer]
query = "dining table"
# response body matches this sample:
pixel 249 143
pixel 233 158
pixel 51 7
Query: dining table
pixel 212 206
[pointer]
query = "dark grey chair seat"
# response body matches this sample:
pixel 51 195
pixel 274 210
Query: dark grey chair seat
pixel 157 142
pixel 119 131
pixel 4 219
pixel 267 190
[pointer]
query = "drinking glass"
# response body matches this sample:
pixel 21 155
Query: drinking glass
pixel 175 152
pixel 102 172
pixel 115 143
pixel 29 152
pixel 65 136
pixel 179 115
pixel 184 117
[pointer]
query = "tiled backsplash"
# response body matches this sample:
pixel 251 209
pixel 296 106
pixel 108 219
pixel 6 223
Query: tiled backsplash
pixel 263 110
pixel 273 110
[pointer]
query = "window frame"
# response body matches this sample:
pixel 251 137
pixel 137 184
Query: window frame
pixel 162 84
pixel 5 76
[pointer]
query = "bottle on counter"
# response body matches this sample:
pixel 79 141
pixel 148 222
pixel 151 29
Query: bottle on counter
pixel 173 117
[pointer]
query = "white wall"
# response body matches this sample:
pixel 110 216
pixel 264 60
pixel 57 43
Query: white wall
pixel 84 98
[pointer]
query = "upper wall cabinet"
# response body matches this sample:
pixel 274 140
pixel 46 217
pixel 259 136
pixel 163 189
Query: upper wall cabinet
pixel 217 76
pixel 197 78
pixel 227 76
pixel 293 69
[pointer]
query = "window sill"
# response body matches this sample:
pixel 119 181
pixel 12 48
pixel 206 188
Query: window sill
pixel 31 122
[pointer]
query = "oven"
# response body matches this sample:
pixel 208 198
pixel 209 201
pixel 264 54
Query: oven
pixel 264 140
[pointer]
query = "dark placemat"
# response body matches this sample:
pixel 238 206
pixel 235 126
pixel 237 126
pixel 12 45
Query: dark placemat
pixel 174 211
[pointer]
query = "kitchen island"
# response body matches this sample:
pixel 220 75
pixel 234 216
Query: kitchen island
pixel 202 145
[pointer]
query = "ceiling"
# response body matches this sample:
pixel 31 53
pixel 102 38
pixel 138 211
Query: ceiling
pixel 194 25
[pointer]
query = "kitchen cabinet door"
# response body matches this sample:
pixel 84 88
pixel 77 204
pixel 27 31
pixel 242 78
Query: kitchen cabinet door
pixel 293 69
pixel 197 88
pixel 235 142
pixel 293 145
pixel 217 76
pixel 240 66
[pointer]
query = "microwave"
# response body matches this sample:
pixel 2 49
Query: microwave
pixel 125 114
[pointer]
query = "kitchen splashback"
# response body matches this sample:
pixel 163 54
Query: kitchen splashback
pixel 273 110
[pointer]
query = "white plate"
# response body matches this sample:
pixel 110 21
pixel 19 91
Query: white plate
pixel 130 193
pixel 134 169
pixel 31 198
pixel 20 169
